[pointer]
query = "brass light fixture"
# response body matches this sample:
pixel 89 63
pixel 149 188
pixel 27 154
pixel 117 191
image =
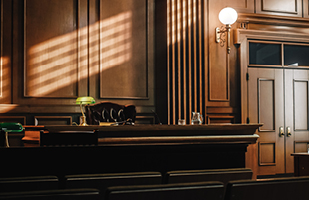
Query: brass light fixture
pixel 227 16
pixel 84 101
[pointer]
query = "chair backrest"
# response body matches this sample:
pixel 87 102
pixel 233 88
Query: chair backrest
pixel 109 112
pixel 16 184
pixel 179 191
pixel 68 138
pixel 62 194
pixel 222 175
pixel 269 189
pixel 103 181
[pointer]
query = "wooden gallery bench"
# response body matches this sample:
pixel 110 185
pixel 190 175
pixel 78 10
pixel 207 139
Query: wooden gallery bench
pixel 222 175
pixel 179 191
pixel 269 189
pixel 103 181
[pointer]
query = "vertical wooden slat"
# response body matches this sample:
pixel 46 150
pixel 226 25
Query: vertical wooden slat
pixel 189 55
pixel 178 11
pixel 173 59
pixel 194 54
pixel 168 59
pixel 184 14
pixel 200 54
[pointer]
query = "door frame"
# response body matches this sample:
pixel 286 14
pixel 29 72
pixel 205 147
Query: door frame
pixel 241 37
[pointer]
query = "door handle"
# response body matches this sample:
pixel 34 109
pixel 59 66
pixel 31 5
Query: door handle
pixel 281 131
pixel 288 131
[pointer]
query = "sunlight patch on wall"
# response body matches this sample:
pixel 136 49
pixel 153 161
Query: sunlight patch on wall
pixel 51 65
pixel 4 61
pixel 61 62
pixel 115 40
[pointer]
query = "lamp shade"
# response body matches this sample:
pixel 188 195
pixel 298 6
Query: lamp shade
pixel 85 100
pixel 228 16
pixel 11 127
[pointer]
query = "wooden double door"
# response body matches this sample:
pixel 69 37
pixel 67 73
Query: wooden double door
pixel 278 98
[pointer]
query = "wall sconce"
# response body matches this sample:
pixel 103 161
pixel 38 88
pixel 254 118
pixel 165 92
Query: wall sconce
pixel 227 16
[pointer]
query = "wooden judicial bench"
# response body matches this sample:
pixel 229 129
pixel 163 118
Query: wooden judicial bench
pixel 135 148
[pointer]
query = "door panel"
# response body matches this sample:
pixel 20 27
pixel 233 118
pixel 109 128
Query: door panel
pixel 266 105
pixel 296 113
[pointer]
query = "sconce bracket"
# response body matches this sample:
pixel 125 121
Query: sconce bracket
pixel 220 35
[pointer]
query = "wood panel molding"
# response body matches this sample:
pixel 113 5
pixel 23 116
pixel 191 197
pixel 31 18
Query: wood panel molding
pixel 280 7
pixel 145 119
pixel 49 73
pixel 267 154
pixel 125 47
pixel 267 19
pixel 301 146
pixel 242 6
pixel 220 119
pixel 300 98
pixel 18 119
pixel 266 103
pixel 52 120
pixel 5 51
pixel 306 8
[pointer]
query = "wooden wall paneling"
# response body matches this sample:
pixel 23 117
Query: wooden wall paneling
pixel 220 119
pixel 145 119
pixel 123 49
pixel 121 65
pixel 280 7
pixel 51 51
pixel 186 61
pixel 5 52
pixel 161 55
pixel 94 47
pixel 53 120
pixel 218 69
pixel 82 48
pixel 53 66
pixel 18 119
pixel 241 6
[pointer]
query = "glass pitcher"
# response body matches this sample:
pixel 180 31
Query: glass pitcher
pixel 197 118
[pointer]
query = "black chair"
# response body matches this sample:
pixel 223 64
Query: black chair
pixel 179 191
pixel 103 181
pixel 16 184
pixel 268 189
pixel 63 194
pixel 222 175
pixel 110 112
pixel 68 138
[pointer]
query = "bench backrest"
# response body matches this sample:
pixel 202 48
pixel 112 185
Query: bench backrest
pixel 180 191
pixel 270 189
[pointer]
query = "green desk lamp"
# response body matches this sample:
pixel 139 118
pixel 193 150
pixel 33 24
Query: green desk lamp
pixel 10 127
pixel 84 101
